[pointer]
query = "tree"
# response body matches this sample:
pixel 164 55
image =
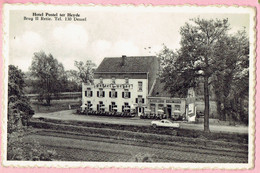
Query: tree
pixel 49 74
pixel 85 71
pixel 74 82
pixel 232 78
pixel 19 112
pixel 195 61
pixel 19 109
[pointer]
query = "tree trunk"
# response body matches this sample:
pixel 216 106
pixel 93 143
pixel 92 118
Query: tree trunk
pixel 206 101
pixel 225 110
pixel 48 101
pixel 219 110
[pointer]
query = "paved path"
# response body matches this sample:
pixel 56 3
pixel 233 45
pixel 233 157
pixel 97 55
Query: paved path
pixel 69 115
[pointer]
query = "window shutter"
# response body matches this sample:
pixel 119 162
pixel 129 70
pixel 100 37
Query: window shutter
pixel 103 93
pixel 136 100
pixel 110 109
pixel 123 95
pixel 109 93
pixel 129 94
pixel 98 94
pixel 116 94
pixel 91 93
pixel 98 107
pixel 86 93
pixel 122 108
pixel 142 100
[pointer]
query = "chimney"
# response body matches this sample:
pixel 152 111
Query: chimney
pixel 123 60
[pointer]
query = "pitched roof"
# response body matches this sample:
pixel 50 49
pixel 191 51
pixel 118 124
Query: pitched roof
pixel 160 91
pixel 129 64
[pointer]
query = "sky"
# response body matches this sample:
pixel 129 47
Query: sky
pixel 104 34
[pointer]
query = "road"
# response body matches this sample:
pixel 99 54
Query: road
pixel 69 115
pixel 71 147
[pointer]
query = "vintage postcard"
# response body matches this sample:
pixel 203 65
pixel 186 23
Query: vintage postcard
pixel 129 86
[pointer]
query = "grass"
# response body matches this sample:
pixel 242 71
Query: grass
pixel 56 105
pixel 213 108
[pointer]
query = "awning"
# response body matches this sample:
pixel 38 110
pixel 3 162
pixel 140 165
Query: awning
pixel 126 108
pixel 83 106
pixel 102 107
pixel 177 111
pixel 160 111
pixel 114 108
pixel 147 110
pixel 133 106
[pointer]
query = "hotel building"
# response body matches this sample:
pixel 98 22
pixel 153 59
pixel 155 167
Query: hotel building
pixel 125 83
pixel 121 84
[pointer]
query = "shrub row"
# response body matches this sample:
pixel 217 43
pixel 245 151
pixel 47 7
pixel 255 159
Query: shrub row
pixel 163 116
pixel 102 113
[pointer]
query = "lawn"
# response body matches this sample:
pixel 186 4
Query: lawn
pixel 200 105
pixel 56 105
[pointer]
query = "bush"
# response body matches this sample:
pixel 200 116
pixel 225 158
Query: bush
pixel 17 149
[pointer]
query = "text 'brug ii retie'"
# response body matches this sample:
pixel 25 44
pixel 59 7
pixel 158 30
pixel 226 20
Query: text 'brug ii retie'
pixel 49 16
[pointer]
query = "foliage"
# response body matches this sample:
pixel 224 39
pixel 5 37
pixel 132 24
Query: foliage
pixel 15 81
pixel 19 109
pixel 231 80
pixel 74 83
pixel 49 74
pixel 17 149
pixel 19 112
pixel 85 71
pixel 207 55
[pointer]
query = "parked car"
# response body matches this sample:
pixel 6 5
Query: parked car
pixel 165 123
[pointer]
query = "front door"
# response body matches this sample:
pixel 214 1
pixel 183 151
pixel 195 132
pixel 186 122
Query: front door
pixel 169 111
pixel 139 111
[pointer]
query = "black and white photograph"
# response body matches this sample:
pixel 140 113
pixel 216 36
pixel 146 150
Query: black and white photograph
pixel 129 86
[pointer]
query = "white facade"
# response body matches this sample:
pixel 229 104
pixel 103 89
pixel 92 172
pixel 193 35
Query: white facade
pixel 115 94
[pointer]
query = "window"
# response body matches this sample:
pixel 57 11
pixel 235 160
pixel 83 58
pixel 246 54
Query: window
pixel 89 105
pixel 101 106
pixel 100 93
pixel 140 99
pixel 88 93
pixel 113 93
pixel 113 107
pixel 152 106
pixel 126 80
pixel 160 106
pixel 140 86
pixel 113 80
pixel 126 107
pixel 126 94
pixel 177 107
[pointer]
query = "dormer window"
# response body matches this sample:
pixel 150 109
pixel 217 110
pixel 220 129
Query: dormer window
pixel 126 80
pixel 113 80
pixel 101 80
